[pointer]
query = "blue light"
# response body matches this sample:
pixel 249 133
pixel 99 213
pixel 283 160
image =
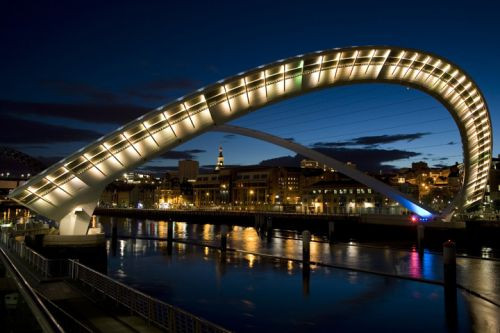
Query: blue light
pixel 415 208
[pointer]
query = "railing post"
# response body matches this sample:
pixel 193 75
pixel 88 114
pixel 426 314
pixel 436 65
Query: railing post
pixel 171 318
pixel 150 311
pixel 46 268
pixel 76 273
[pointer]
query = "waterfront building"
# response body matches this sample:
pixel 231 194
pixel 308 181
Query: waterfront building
pixel 250 187
pixel 188 170
pixel 174 192
pixel 343 195
pixel 129 195
pixel 311 188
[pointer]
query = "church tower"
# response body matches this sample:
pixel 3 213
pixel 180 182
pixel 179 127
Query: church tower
pixel 220 160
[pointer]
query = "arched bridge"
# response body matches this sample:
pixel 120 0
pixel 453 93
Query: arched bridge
pixel 69 190
pixel 343 168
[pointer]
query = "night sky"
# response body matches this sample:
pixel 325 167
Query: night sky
pixel 72 71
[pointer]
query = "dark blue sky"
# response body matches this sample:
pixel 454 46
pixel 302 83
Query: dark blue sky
pixel 72 71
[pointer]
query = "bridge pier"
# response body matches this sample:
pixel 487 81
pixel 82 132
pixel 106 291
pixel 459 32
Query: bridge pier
pixel 306 247
pixel 306 279
pixel 114 236
pixel 170 236
pixel 223 237
pixel 269 228
pixel 450 284
pixel 331 230
pixel 170 230
pixel 306 260
pixel 420 237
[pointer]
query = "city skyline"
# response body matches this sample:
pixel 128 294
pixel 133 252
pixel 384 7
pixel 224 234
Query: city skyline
pixel 57 105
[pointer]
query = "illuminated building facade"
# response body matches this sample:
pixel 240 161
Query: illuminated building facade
pixel 254 187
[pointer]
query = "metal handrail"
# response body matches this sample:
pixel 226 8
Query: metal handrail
pixel 70 323
pixel 155 311
pixel 43 316
pixel 46 267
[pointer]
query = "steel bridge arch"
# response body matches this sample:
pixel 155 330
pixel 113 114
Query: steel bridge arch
pixel 343 168
pixel 68 191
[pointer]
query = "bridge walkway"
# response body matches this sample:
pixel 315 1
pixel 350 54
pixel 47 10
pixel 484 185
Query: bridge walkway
pixel 94 312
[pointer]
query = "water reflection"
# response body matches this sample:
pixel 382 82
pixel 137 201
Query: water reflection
pixel 478 275
pixel 247 293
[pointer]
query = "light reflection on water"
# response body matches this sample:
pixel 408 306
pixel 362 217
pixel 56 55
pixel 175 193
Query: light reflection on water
pixel 246 292
pixel 287 244
pixel 479 275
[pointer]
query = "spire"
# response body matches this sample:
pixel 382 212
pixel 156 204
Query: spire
pixel 220 160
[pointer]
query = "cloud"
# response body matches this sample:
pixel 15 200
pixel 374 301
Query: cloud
pixel 372 141
pixel 370 159
pixel 35 146
pixel 384 139
pixel 20 131
pixel 181 154
pixel 146 96
pixel 161 89
pixel 156 90
pixel 96 113
pixel 92 93
pixel 169 84
pixel 322 144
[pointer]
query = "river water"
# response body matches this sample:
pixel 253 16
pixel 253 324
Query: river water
pixel 263 286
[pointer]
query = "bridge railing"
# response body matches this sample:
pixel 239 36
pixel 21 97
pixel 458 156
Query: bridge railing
pixel 47 268
pixel 155 311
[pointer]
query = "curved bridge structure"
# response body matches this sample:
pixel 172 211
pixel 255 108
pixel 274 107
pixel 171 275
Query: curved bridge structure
pixel 69 190
pixel 343 168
